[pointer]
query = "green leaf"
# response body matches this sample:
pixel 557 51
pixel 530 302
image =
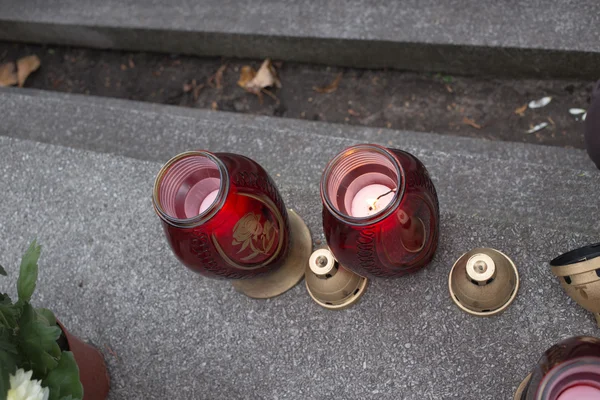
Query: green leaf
pixel 8 312
pixel 447 79
pixel 28 272
pixel 8 366
pixel 37 342
pixel 7 341
pixel 64 380
pixel 3 271
pixel 47 315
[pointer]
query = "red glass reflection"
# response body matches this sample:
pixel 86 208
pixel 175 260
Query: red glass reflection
pixel 569 370
pixel 381 212
pixel 222 214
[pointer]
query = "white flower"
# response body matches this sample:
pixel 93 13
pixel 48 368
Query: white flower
pixel 23 388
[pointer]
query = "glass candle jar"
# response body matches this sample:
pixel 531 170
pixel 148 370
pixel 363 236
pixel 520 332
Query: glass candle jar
pixel 569 370
pixel 380 211
pixel 223 216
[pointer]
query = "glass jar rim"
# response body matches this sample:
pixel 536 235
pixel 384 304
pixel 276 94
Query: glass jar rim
pixel 207 214
pixel 379 216
pixel 554 383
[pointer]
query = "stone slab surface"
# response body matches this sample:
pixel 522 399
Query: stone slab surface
pixel 107 272
pixel 472 36
pixel 530 184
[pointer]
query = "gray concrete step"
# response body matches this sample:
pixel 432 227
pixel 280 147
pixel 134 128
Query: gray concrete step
pixel 107 272
pixel 552 187
pixel 457 36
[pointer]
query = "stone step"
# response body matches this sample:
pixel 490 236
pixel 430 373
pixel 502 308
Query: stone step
pixel 457 36
pixel 107 272
pixel 530 184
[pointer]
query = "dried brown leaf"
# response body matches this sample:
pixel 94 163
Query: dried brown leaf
pixel 353 113
pixel 265 77
pixel 521 110
pixel 449 89
pixel 247 73
pixel 470 122
pixel 268 93
pixel 187 87
pixel 217 78
pixel 214 106
pixel 8 75
pixel 197 90
pixel 332 87
pixel 25 66
pixel 131 63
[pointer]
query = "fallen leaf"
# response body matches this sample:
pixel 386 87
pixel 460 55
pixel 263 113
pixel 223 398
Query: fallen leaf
pixel 470 122
pixel 268 93
pixel 353 113
pixel 217 78
pixel 266 76
pixel 449 89
pixel 214 106
pixel 187 87
pixel 247 73
pixel 8 75
pixel 131 63
pixel 576 111
pixel 332 87
pixel 123 67
pixel 551 121
pixel 197 90
pixel 25 66
pixel 521 110
pixel 538 127
pixel 544 101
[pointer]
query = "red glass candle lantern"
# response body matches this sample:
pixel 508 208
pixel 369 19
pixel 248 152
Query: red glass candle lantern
pixel 381 212
pixel 224 218
pixel 569 370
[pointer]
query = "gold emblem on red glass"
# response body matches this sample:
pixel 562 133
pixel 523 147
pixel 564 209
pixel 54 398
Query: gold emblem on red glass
pixel 250 232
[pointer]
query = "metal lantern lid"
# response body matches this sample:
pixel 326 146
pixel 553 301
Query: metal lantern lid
pixel 483 282
pixel 331 285
pixel 579 274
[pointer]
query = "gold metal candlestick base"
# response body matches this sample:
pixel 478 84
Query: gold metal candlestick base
pixel 579 274
pixel 483 282
pixel 521 388
pixel 290 273
pixel 331 285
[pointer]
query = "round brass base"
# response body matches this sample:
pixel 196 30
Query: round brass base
pixel 290 273
pixel 521 388
pixel 336 290
pixel 483 282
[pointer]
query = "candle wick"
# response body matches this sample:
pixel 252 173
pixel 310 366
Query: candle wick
pixel 386 193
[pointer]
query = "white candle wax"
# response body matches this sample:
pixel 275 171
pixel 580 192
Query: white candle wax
pixel 208 200
pixel 580 392
pixel 367 201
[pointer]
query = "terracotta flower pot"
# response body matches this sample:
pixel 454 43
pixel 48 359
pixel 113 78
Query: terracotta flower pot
pixel 92 369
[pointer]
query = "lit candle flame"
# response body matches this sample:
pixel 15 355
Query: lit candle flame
pixel 371 203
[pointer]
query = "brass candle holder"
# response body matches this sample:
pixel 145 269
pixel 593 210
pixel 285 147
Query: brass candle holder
pixel 483 282
pixel 579 274
pixel 331 285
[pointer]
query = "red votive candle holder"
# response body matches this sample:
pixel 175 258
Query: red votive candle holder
pixel 380 211
pixel 224 218
pixel 569 370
